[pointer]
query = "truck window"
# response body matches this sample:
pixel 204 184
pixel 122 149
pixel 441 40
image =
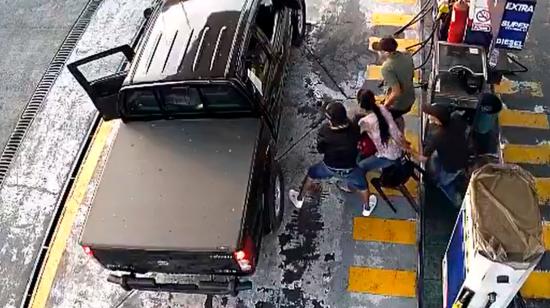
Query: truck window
pixel 142 102
pixel 269 20
pixel 257 65
pixel 181 100
pixel 222 98
pixel 265 19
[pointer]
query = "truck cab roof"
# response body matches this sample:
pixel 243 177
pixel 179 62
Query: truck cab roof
pixel 190 40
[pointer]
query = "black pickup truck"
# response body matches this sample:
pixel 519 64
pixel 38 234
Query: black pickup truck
pixel 191 185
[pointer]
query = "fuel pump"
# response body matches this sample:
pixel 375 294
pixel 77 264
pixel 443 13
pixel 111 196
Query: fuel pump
pixel 466 60
pixel 491 29
pixel 496 242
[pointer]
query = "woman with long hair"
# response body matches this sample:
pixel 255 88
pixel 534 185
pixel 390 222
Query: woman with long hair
pixel 380 126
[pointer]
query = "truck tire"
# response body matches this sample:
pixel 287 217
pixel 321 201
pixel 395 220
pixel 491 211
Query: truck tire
pixel 275 200
pixel 299 24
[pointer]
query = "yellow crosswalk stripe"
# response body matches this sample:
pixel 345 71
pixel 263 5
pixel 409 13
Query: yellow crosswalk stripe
pixel 537 286
pixel 382 281
pixel 543 189
pixel 409 2
pixel 546 234
pixel 415 110
pixel 374 229
pixel 517 118
pixel 374 72
pixel 390 19
pixel 509 87
pixel 531 154
pixel 412 187
pixel 413 138
pixel 402 44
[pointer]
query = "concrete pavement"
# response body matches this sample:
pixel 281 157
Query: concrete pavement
pixel 30 32
pixel 33 187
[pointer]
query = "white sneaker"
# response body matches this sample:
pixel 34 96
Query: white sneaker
pixel 293 196
pixel 369 208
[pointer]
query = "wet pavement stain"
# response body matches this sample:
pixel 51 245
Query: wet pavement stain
pixel 299 249
pixel 264 305
pixel 329 257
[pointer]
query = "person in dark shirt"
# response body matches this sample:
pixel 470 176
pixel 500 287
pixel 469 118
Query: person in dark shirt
pixel 485 123
pixel 337 141
pixel 446 148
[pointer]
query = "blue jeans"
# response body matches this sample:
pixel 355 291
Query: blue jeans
pixel 446 180
pixel 373 162
pixel 353 176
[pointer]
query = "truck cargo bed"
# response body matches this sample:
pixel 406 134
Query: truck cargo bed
pixel 174 185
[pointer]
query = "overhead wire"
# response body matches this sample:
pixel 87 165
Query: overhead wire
pixel 321 119
pixel 430 40
pixel 424 10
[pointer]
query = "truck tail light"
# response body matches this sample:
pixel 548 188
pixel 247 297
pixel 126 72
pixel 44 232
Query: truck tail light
pixel 245 257
pixel 88 250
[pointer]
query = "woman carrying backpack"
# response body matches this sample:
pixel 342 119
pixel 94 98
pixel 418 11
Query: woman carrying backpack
pixel 386 144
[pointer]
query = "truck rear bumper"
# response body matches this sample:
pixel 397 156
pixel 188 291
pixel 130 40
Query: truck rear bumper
pixel 232 287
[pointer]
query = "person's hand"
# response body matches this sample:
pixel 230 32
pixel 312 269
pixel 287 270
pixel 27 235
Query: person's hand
pixel 419 157
pixel 422 158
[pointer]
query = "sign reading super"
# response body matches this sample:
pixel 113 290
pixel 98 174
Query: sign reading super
pixel 515 24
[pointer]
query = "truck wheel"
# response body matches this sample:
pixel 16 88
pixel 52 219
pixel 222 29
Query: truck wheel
pixel 276 202
pixel 299 24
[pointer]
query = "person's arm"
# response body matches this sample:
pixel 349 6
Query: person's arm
pixel 395 132
pixel 390 78
pixel 429 147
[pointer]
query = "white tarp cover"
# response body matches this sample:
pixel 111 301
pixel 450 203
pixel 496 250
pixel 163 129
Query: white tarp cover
pixel 505 214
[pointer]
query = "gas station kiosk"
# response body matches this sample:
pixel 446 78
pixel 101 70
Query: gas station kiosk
pixel 496 242
pixel 497 239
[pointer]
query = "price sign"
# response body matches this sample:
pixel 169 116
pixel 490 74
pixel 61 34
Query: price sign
pixel 515 24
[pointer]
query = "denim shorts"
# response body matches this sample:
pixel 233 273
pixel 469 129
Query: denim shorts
pixel 355 177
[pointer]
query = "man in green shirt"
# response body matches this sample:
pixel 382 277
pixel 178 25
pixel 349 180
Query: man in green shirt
pixel 398 73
